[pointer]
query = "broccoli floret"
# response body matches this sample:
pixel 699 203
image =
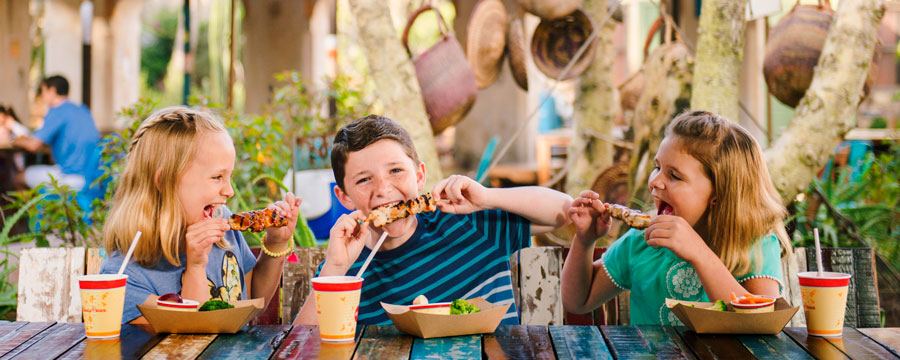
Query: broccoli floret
pixel 215 305
pixel 719 305
pixel 460 306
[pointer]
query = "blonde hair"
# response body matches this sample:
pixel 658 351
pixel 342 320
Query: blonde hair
pixel 146 198
pixel 747 206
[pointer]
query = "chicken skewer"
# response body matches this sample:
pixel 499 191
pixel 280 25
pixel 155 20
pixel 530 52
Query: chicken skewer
pixel 631 217
pixel 257 220
pixel 387 214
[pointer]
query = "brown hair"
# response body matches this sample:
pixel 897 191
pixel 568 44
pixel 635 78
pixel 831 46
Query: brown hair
pixel 362 132
pixel 165 142
pixel 747 205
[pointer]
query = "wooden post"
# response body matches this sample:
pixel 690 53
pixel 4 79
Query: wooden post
pixel 48 285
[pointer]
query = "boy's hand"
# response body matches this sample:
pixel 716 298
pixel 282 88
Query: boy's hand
pixel 464 195
pixel 278 237
pixel 347 239
pixel 199 239
pixel 674 233
pixel 589 217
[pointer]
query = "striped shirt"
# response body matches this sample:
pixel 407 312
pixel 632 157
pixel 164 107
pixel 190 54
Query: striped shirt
pixel 448 257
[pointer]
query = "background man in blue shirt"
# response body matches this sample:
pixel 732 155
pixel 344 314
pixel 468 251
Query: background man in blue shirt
pixel 70 132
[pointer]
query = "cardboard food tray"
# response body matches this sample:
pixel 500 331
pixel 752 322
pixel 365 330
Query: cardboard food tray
pixel 704 321
pixel 425 325
pixel 225 321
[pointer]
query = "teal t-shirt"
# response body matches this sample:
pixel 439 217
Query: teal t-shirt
pixel 654 274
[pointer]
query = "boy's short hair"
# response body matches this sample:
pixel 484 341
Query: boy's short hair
pixel 362 132
pixel 57 82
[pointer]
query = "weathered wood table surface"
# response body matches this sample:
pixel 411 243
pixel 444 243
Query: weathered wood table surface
pixel 24 340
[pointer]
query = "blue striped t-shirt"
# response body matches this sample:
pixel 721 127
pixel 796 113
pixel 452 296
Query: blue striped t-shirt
pixel 448 257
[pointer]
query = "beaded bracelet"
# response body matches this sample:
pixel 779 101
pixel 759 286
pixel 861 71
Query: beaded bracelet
pixel 278 254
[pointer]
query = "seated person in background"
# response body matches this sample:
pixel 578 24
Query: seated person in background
pixel 10 122
pixel 11 165
pixel 460 251
pixel 70 132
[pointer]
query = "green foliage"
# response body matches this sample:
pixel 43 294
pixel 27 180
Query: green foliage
pixel 158 43
pixel 865 212
pixel 54 207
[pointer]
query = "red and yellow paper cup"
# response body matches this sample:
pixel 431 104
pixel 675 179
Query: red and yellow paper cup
pixel 102 300
pixel 337 306
pixel 824 302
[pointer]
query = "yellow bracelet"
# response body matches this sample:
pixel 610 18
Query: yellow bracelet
pixel 278 254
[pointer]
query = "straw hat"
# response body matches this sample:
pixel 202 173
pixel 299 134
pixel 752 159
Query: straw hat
pixel 550 9
pixel 555 43
pixel 515 43
pixel 486 40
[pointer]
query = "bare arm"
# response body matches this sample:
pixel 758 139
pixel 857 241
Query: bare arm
pixel 29 143
pixel 719 283
pixel 580 270
pixel 265 276
pixel 307 314
pixel 545 208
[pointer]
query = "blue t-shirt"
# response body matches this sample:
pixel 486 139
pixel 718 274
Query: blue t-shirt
pixel 656 273
pixel 448 257
pixel 70 132
pixel 224 274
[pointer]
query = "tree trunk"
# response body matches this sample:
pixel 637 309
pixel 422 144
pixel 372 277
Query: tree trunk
pixel 395 79
pixel 667 76
pixel 828 110
pixel 720 49
pixel 596 106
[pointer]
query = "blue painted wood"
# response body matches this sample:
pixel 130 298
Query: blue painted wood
pixel 578 342
pixel 50 343
pixel 714 346
pixel 20 335
pixel 665 342
pixel 778 346
pixel 518 342
pixel 383 342
pixel 456 347
pixel 626 342
pixel 818 347
pixel 255 342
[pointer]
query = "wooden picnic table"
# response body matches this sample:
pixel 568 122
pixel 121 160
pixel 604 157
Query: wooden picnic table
pixel 42 340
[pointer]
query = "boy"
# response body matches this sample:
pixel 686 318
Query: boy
pixel 460 251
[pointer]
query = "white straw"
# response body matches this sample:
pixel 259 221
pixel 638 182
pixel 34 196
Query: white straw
pixel 130 251
pixel 371 255
pixel 818 251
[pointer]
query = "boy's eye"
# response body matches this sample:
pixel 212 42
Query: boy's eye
pixel 360 181
pixel 396 170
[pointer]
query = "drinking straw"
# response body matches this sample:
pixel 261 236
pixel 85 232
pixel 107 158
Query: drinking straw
pixel 371 255
pixel 130 251
pixel 818 251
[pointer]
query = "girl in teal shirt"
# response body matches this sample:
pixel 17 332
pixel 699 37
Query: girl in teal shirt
pixel 719 228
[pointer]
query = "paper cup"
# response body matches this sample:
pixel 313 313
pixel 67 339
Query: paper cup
pixel 102 300
pixel 824 302
pixel 185 305
pixel 754 308
pixel 337 306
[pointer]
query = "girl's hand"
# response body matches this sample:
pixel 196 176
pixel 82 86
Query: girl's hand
pixel 347 239
pixel 278 237
pixel 199 240
pixel 589 217
pixel 464 194
pixel 674 233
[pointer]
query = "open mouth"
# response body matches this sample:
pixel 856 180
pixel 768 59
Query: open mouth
pixel 210 210
pixel 391 203
pixel 664 208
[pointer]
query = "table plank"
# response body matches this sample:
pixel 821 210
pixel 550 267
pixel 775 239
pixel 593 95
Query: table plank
pixel 888 337
pixel 52 343
pixel 255 342
pixel 519 342
pixel 817 346
pixel 645 342
pixel 383 342
pixel 859 346
pixel 578 342
pixel 134 341
pixel 455 347
pixel 14 338
pixel 779 346
pixel 303 343
pixel 180 346
pixel 714 346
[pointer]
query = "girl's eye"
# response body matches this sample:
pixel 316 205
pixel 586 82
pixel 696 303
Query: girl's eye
pixel 676 177
pixel 218 177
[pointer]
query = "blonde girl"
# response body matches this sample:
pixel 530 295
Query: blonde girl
pixel 177 171
pixel 718 229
